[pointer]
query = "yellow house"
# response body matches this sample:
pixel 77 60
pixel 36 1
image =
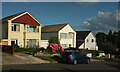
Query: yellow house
pixel 21 29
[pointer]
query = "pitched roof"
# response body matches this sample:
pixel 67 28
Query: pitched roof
pixel 23 17
pixel 78 43
pixel 12 16
pixel 80 36
pixel 53 28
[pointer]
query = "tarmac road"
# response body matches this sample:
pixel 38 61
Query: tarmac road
pixel 95 65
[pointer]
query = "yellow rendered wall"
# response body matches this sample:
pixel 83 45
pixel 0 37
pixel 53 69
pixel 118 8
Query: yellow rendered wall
pixel 16 35
pixel 21 35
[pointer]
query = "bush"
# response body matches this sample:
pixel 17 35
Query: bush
pixel 51 59
pixel 53 39
pixel 108 48
pixel 47 52
pixel 16 46
pixel 42 49
pixel 30 51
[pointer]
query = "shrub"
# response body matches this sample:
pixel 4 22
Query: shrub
pixel 53 39
pixel 30 51
pixel 47 52
pixel 16 46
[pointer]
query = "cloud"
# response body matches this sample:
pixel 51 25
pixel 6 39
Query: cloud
pixel 103 22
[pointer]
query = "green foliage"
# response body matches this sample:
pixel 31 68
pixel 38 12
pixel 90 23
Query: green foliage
pixel 105 59
pixel 108 48
pixel 101 38
pixel 108 43
pixel 16 46
pixel 51 59
pixel 59 51
pixel 53 39
pixel 47 52
pixel 30 51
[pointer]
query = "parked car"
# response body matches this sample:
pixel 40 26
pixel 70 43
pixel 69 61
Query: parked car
pixel 100 54
pixel 74 57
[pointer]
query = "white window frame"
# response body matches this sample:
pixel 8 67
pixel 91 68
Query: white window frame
pixel 28 28
pixel 13 29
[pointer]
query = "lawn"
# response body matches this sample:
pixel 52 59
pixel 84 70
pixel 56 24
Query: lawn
pixel 30 51
pixel 51 59
pixel 47 52
pixel 104 59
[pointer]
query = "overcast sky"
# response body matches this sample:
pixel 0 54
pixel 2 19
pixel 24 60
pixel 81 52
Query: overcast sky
pixel 95 16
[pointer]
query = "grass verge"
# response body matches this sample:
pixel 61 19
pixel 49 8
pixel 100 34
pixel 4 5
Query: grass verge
pixel 103 59
pixel 51 59
pixel 30 51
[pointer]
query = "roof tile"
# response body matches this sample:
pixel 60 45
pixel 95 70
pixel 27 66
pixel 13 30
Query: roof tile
pixel 53 28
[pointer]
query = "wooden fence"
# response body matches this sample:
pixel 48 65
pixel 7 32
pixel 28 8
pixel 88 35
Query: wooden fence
pixel 8 49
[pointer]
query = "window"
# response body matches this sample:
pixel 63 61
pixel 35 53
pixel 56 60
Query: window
pixel 37 43
pixel 63 35
pixel 37 28
pixel 31 28
pixel 32 43
pixel 15 27
pixel 87 40
pixel 92 40
pixel 14 41
pixel 64 45
pixel 70 35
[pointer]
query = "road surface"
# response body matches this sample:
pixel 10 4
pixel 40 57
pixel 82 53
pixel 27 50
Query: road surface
pixel 96 65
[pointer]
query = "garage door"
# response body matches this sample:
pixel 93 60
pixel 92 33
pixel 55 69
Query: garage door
pixel 5 43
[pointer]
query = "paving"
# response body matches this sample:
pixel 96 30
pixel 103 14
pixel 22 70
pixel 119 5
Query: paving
pixel 19 58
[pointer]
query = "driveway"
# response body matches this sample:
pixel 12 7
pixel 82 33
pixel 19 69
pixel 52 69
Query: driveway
pixel 19 58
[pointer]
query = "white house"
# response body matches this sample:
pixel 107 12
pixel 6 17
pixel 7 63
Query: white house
pixel 65 33
pixel 86 40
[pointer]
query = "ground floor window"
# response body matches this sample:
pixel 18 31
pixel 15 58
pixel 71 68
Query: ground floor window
pixel 64 45
pixel 32 43
pixel 14 41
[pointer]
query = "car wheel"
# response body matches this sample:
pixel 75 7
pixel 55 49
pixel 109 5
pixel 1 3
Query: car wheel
pixel 88 61
pixel 75 62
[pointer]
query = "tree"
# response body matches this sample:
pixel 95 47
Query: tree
pixel 115 39
pixel 110 36
pixel 108 48
pixel 53 39
pixel 119 39
pixel 108 43
pixel 101 38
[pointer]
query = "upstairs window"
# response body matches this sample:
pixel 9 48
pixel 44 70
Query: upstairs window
pixel 30 28
pixel 71 35
pixel 87 40
pixel 92 40
pixel 15 27
pixel 63 35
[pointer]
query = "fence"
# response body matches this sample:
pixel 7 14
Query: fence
pixel 8 49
